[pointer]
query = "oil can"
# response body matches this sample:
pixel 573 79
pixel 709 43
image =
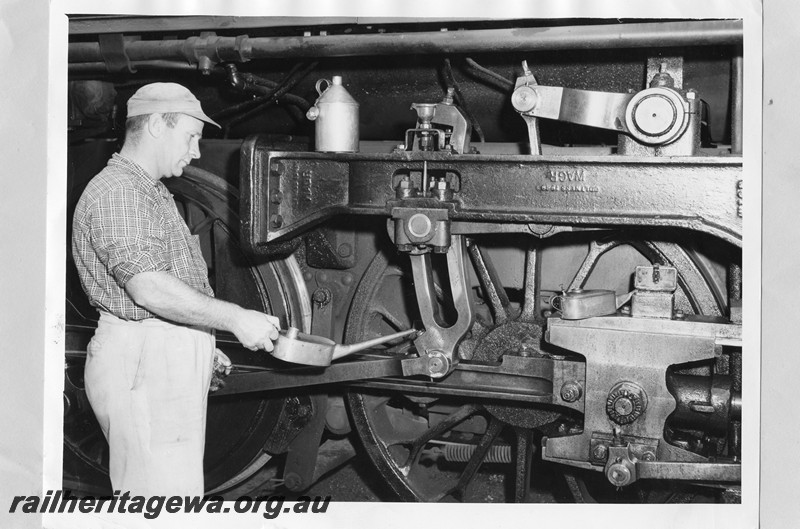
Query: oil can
pixel 336 116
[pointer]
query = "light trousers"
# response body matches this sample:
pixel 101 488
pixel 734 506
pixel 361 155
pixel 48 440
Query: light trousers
pixel 147 382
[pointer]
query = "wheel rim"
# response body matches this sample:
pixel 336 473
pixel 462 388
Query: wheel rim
pixel 237 426
pixel 392 425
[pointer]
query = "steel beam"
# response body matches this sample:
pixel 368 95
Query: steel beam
pixel 285 193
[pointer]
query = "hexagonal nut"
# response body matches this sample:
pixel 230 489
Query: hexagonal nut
pixel 600 453
pixel 571 391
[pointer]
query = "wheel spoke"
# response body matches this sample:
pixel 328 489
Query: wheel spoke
pixel 459 491
pixel 388 317
pixel 452 420
pixel 596 250
pixel 531 300
pixel 522 464
pixel 490 282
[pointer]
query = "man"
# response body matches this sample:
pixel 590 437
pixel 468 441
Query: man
pixel 150 360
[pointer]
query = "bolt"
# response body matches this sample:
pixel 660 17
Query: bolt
pixel 405 189
pixel 600 452
pixel 276 168
pixel 347 279
pixel 292 481
pixel 679 315
pixel 276 221
pixel 571 391
pixel 344 250
pixel 321 296
pixel 649 456
pixel 623 406
pixel 619 475
pixel 524 98
pixel 435 365
pixel 307 276
pixel 276 197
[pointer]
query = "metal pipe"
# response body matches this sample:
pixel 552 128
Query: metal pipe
pixel 100 67
pixel 607 36
pixel 737 104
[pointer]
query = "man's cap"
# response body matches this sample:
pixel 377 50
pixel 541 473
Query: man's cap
pixel 161 98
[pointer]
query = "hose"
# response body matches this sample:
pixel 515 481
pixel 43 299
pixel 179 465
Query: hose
pixel 487 75
pixel 272 93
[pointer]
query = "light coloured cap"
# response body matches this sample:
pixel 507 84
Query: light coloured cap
pixel 161 98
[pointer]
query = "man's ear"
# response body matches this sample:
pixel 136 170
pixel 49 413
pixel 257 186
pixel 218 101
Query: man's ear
pixel 156 125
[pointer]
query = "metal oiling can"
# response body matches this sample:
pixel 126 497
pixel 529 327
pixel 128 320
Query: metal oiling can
pixel 336 116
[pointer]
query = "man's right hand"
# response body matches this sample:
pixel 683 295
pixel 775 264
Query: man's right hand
pixel 256 330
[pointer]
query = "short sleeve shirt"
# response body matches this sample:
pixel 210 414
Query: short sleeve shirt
pixel 126 223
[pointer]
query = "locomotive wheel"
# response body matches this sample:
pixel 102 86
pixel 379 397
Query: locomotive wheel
pixel 431 449
pixel 237 425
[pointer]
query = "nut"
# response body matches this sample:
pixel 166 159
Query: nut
pixel 344 250
pixel 321 296
pixel 292 481
pixel 276 168
pixel 571 391
pixel 600 452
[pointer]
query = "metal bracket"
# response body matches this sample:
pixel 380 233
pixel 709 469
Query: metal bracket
pixel 624 468
pixel 631 351
pixel 437 345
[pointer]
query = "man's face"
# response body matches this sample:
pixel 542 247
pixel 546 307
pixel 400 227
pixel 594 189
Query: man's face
pixel 180 145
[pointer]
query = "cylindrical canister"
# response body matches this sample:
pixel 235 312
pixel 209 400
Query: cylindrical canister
pixel 336 116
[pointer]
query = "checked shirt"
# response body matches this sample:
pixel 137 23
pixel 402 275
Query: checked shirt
pixel 126 223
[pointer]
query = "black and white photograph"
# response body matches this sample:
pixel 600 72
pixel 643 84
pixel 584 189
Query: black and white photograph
pixel 412 266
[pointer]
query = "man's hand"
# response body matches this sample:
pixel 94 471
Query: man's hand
pixel 256 330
